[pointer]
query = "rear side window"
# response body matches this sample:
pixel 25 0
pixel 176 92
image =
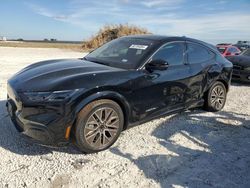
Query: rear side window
pixel 197 53
pixel 172 53
pixel 233 50
pixel 221 49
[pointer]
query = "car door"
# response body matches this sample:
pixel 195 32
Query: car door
pixel 160 91
pixel 200 60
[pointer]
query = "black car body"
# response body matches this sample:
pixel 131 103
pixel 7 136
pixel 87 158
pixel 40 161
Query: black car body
pixel 44 99
pixel 241 66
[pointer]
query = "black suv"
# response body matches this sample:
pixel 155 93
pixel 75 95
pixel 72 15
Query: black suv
pixel 241 66
pixel 243 45
pixel 125 82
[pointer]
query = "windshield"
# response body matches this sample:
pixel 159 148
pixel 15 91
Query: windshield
pixel 246 52
pixel 125 52
pixel 221 49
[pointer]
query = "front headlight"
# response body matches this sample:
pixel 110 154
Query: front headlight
pixel 54 96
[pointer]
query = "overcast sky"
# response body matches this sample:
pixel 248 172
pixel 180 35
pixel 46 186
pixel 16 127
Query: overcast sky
pixel 210 20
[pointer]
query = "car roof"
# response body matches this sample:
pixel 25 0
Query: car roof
pixel 155 37
pixel 163 39
pixel 224 45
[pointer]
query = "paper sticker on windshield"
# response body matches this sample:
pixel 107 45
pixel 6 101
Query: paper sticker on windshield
pixel 138 47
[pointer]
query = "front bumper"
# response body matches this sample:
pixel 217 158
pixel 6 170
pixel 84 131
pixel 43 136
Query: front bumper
pixel 34 130
pixel 240 75
pixel 45 123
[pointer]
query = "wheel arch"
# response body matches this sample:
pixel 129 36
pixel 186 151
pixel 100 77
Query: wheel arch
pixel 224 80
pixel 224 83
pixel 111 95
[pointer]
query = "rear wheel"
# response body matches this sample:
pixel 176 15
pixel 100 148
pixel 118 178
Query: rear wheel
pixel 98 125
pixel 215 98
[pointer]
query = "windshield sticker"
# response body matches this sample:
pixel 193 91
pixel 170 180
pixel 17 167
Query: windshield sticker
pixel 138 47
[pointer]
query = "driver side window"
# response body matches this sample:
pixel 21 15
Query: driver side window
pixel 231 50
pixel 173 53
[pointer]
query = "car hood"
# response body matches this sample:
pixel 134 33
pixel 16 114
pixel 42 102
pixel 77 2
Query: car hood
pixel 240 60
pixel 58 75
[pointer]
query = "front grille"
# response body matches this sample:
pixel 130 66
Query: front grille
pixel 235 76
pixel 237 67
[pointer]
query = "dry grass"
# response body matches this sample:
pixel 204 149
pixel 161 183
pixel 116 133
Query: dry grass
pixel 105 34
pixel 110 32
pixel 75 47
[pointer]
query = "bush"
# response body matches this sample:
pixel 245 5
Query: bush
pixel 110 32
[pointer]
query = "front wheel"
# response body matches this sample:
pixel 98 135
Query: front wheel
pixel 98 125
pixel 215 97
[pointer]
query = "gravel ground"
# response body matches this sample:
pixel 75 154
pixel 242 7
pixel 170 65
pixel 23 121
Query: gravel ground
pixel 191 149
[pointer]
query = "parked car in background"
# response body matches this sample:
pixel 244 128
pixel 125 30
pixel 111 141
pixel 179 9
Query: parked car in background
pixel 228 50
pixel 242 45
pixel 241 66
pixel 125 82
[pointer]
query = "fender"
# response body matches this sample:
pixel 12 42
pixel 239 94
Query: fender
pixel 224 76
pixel 112 95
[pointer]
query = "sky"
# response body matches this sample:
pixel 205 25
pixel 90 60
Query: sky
pixel 209 20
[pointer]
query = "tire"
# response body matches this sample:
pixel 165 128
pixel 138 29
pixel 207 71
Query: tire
pixel 98 126
pixel 215 97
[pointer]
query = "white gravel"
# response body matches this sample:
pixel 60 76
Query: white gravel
pixel 191 149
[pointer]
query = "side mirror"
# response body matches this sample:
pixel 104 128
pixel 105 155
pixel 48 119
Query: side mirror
pixel 228 54
pixel 157 64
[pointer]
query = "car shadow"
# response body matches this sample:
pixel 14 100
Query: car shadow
pixel 200 151
pixel 12 140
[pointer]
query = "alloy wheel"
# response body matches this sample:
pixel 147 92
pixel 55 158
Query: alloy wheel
pixel 218 97
pixel 101 127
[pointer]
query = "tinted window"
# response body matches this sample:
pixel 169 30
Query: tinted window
pixel 172 53
pixel 232 50
pixel 246 52
pixel 197 54
pixel 221 49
